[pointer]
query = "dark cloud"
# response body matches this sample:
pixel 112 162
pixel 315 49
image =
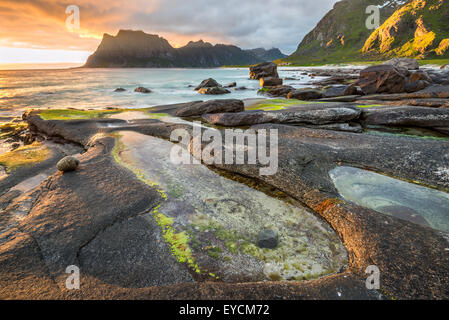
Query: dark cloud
pixel 246 23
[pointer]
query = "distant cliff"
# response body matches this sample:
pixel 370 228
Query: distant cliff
pixel 138 49
pixel 267 55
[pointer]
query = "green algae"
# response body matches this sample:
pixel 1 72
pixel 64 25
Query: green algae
pixel 71 114
pixel 25 156
pixel 278 104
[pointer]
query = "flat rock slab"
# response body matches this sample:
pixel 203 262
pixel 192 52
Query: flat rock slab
pixel 316 117
pixel 406 116
pixel 90 201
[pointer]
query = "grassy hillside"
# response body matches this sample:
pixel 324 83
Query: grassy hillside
pixel 414 28
pixel 419 29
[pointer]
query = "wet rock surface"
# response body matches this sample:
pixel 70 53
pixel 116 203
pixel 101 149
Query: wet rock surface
pixel 263 70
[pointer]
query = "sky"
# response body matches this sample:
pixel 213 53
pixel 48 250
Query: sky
pixel 36 31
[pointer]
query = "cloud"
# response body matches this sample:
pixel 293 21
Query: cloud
pixel 246 23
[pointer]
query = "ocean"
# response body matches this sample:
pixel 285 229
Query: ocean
pixel 94 88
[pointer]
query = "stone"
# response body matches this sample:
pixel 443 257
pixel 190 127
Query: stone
pixel 267 238
pixel 305 94
pixel 212 106
pixel 263 70
pixel 120 90
pixel 270 82
pixel 420 75
pixel 230 85
pixel 406 116
pixel 308 116
pixel 68 164
pixel 382 79
pixel 409 64
pixel 142 90
pixel 278 91
pixel 208 83
pixel 213 90
pixel 415 86
pixel 334 91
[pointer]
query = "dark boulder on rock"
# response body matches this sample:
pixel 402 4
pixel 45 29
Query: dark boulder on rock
pixel 68 164
pixel 420 75
pixel 230 85
pixel 208 83
pixel 415 86
pixel 305 94
pixel 334 91
pixel 270 82
pixel 267 238
pixel 212 106
pixel 308 116
pixel 120 90
pixel 213 90
pixel 278 91
pixel 382 79
pixel 263 70
pixel 407 63
pixel 142 90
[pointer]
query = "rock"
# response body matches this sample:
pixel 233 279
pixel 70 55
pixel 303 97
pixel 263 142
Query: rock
pixel 334 91
pixel 241 88
pixel 352 90
pixel 67 164
pixel 270 82
pixel 263 70
pixel 420 75
pixel 416 86
pixel 212 106
pixel 409 64
pixel 267 238
pixel 120 90
pixel 305 94
pixel 406 116
pixel 446 66
pixel 208 83
pixel 15 145
pixel 142 90
pixel 278 91
pixel 213 90
pixel 308 116
pixel 382 79
pixel 230 85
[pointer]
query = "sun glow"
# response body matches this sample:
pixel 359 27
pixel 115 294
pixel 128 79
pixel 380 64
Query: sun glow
pixel 25 55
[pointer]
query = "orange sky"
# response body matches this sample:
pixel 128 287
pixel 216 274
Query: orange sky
pixel 36 31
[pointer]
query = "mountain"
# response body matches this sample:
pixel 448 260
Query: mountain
pixel 138 49
pixel 267 55
pixel 418 29
pixel 341 33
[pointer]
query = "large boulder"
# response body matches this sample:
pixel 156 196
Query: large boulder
pixel 420 75
pixel 382 79
pixel 213 90
pixel 305 94
pixel 407 63
pixel 308 116
pixel 208 83
pixel 270 82
pixel 263 70
pixel 212 106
